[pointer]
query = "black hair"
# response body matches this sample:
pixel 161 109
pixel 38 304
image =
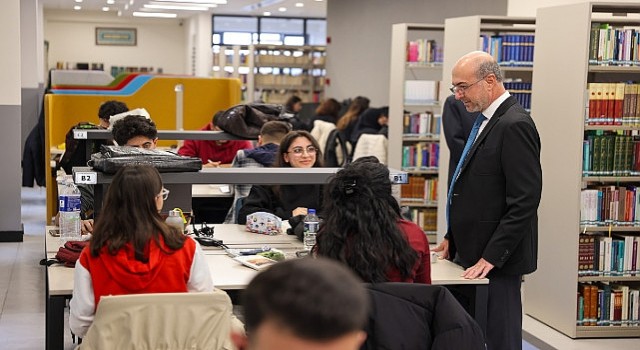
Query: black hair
pixel 288 106
pixel 317 299
pixel 110 108
pixel 361 223
pixel 131 126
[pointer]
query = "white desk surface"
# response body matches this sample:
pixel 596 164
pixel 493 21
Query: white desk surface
pixel 229 274
pixel 199 191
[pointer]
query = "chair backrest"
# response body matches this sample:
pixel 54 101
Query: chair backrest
pixel 418 316
pixel 371 145
pixel 161 321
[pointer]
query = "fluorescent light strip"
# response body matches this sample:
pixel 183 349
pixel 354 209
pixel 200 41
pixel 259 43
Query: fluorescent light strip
pixel 174 7
pixel 199 2
pixel 155 14
pixel 77 7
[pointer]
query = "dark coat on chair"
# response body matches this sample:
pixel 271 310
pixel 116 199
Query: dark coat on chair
pixel 418 316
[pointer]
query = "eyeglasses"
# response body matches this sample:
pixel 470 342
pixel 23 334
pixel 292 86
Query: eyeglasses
pixel 164 193
pixel 299 150
pixel 462 88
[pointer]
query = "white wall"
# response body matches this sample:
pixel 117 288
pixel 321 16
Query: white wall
pixel 160 42
pixel 10 56
pixel 358 56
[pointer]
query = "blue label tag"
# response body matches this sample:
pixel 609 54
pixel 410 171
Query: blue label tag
pixel 69 203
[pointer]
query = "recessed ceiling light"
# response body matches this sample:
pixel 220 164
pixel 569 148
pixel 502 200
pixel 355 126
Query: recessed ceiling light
pixel 299 4
pixel 77 7
pixel 318 0
pixel 126 7
pixel 282 9
pixel 78 0
pixel 201 2
pixel 105 9
pixel 119 13
pixel 266 13
pixel 111 2
pixel 155 14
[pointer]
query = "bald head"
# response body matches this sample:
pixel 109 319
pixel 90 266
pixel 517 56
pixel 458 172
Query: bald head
pixel 477 79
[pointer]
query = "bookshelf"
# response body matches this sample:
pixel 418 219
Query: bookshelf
pixel 416 71
pixel 461 36
pixel 279 71
pixel 556 290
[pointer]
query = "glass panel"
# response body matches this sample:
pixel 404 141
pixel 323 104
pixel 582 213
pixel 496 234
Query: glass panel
pixel 317 32
pixel 234 24
pixel 271 38
pixel 235 38
pixel 294 40
pixel 282 25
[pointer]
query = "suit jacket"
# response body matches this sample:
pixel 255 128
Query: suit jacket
pixel 493 213
pixel 456 125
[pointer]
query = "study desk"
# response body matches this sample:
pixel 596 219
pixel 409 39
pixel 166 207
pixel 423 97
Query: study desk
pixel 228 274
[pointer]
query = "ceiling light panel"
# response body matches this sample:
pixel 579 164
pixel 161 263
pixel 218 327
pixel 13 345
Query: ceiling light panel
pixel 176 7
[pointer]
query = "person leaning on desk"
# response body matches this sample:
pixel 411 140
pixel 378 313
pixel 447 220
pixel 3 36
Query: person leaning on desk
pixel 133 251
pixel 298 149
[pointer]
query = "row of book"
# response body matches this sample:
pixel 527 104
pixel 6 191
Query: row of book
pixel 611 153
pixel 427 219
pixel 601 304
pixel 421 92
pixel 614 104
pixel 420 190
pixel 510 49
pixel 424 51
pixel 614 45
pixel 603 255
pixel 421 124
pixel 521 91
pixel 610 205
pixel 420 156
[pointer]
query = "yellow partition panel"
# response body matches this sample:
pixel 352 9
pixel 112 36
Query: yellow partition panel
pixel 201 97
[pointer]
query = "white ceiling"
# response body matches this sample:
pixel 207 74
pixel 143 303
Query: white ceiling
pixel 311 8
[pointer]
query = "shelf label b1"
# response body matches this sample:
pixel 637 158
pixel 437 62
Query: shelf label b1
pixel 399 178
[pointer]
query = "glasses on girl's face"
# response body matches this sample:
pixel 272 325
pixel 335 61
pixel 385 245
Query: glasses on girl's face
pixel 298 151
pixel 164 193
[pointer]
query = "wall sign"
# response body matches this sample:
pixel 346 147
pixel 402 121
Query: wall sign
pixel 116 36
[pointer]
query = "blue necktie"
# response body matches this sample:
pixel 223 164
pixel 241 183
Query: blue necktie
pixel 465 151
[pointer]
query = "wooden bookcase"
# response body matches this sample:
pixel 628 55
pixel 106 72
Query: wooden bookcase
pixel 559 108
pixel 401 72
pixel 278 71
pixel 461 36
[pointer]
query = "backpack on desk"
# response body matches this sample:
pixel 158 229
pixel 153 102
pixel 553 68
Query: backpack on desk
pixel 67 254
pixel 75 149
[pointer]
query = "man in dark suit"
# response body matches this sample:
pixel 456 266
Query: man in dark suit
pixel 494 196
pixel 456 125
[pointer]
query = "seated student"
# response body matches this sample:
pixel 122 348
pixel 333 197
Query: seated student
pixel 372 121
pixel 327 111
pixel 133 131
pixel 298 149
pixel 292 108
pixel 213 153
pixel 133 251
pixel 262 156
pixel 304 304
pixel 363 227
pixel 347 122
pixel 75 150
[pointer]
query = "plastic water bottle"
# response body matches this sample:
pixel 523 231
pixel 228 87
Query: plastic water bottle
pixel 175 220
pixel 311 225
pixel 69 200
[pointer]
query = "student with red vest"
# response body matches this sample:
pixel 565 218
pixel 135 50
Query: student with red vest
pixel 133 251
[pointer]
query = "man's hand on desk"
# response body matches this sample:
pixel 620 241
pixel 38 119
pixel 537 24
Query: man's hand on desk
pixel 443 249
pixel 479 270
pixel 211 164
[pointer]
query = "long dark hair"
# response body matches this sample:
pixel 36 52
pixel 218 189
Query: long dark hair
pixel 357 106
pixel 361 223
pixel 130 214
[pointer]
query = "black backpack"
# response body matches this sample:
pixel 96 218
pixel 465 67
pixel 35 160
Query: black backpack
pixel 75 153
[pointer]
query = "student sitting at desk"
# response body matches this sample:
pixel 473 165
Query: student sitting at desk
pixel 132 130
pixel 133 251
pixel 213 153
pixel 269 139
pixel 363 228
pixel 298 149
